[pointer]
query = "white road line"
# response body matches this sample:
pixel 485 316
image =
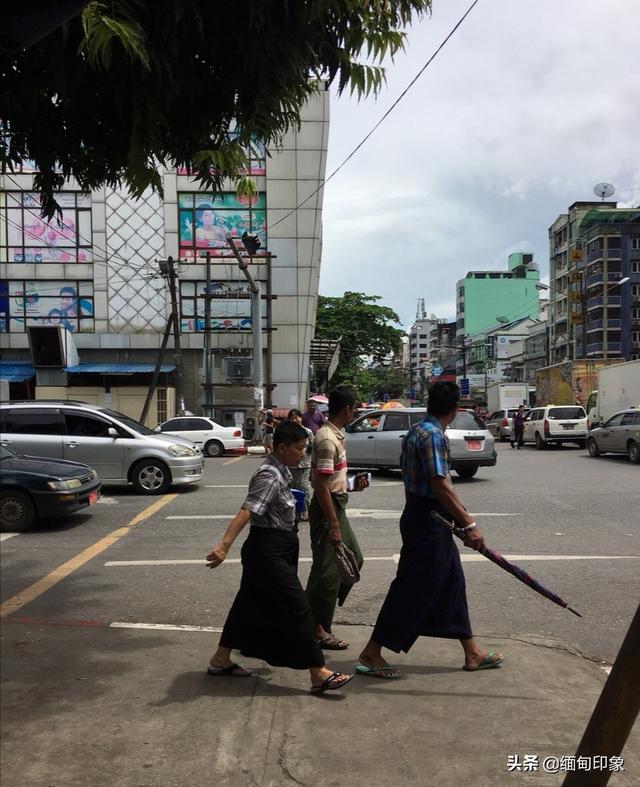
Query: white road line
pixel 162 627
pixel 226 486
pixel 233 461
pixel 5 536
pixel 465 558
pixel 353 513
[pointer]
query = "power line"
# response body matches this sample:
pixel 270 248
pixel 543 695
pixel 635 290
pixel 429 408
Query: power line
pixel 384 117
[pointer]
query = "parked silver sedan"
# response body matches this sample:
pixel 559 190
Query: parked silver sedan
pixel 375 440
pixel 619 435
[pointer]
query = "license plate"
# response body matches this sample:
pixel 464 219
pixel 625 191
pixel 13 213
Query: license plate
pixel 568 426
pixel 474 445
pixel 93 498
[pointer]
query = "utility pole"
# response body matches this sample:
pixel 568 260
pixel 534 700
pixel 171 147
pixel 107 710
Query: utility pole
pixel 251 244
pixel 168 272
pixel 207 365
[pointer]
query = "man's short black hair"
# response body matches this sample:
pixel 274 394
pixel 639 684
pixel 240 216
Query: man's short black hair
pixel 341 397
pixel 288 432
pixel 444 397
pixel 295 413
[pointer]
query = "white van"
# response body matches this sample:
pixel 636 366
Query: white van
pixel 555 424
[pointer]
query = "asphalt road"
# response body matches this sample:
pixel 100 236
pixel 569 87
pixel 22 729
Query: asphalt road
pixel 573 522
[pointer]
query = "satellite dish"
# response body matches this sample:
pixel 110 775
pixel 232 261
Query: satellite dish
pixel 604 190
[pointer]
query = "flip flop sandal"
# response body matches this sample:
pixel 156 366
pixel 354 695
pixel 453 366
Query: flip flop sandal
pixel 328 683
pixel 488 662
pixel 377 672
pixel 233 670
pixel 332 643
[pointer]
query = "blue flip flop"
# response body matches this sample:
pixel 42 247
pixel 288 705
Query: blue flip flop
pixel 488 662
pixel 377 672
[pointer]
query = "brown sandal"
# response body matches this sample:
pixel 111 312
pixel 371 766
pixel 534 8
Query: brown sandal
pixel 332 643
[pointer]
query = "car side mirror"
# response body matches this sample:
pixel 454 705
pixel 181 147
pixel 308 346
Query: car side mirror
pixel 112 432
pixel 157 429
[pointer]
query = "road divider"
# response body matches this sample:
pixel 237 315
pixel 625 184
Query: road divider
pixel 58 574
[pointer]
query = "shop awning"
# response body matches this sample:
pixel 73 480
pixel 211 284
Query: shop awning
pixel 117 368
pixel 16 372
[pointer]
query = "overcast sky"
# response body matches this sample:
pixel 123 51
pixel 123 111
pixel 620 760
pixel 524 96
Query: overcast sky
pixel 529 105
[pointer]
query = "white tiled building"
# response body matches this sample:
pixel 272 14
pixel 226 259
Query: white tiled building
pixel 97 276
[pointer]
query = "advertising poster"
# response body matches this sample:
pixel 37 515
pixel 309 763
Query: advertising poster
pixel 69 304
pixel 205 221
pixel 230 306
pixel 30 238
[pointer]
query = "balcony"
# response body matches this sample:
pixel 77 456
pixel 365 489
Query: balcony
pixel 598 325
pixel 595 348
pixel 598 301
pixel 598 278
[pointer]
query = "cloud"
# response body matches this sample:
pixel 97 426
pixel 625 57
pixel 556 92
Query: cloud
pixel 528 106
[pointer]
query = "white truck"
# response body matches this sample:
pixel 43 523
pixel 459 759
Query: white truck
pixel 507 396
pixel 618 388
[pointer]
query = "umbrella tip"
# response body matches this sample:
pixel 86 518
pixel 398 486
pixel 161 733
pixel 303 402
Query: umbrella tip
pixel 574 612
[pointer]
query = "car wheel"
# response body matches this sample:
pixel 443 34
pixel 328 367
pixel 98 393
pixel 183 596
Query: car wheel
pixel 213 448
pixel 593 447
pixel 17 512
pixel 633 452
pixel 150 477
pixel 466 472
pixel 540 444
pixel 499 436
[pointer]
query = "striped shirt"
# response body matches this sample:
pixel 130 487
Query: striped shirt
pixel 425 455
pixel 269 499
pixel 329 457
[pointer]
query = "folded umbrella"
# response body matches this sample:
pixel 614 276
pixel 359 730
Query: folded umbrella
pixel 512 568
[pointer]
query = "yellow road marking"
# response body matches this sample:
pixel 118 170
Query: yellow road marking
pixel 232 461
pixel 58 574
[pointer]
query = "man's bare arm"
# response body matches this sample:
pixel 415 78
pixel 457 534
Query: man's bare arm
pixel 446 494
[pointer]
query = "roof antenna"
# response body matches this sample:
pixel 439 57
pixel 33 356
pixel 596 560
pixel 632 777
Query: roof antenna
pixel 604 190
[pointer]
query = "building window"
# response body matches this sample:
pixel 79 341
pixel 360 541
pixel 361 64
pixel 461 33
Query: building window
pixel 635 267
pixel 26 237
pixel 65 303
pixel 205 220
pixel 635 242
pixel 256 153
pixel 230 306
pixel 161 404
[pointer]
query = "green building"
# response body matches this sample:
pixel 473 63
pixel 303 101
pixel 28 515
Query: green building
pixel 483 296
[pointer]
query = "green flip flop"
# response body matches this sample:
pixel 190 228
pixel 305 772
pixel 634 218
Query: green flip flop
pixel 377 672
pixel 488 662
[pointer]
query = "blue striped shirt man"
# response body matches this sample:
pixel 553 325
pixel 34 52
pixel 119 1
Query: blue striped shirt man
pixel 425 455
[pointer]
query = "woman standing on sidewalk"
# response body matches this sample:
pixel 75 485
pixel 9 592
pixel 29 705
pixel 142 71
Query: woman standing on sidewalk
pixel 271 618
pixel 302 473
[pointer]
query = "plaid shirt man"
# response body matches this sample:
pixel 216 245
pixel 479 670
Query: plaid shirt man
pixel 425 455
pixel 269 499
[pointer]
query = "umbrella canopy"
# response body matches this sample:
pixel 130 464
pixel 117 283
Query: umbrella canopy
pixel 319 398
pixel 392 405
pixel 512 568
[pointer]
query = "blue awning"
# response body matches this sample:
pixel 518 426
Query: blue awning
pixel 118 368
pixel 17 371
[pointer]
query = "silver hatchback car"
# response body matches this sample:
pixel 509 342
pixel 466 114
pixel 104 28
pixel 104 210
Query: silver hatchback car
pixel 121 450
pixel 619 435
pixel 375 440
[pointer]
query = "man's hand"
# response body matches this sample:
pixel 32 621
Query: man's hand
pixel 217 555
pixel 361 482
pixel 474 539
pixel 335 536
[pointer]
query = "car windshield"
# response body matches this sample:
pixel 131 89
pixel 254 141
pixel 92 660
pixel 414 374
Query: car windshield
pixel 5 453
pixel 466 420
pixel 136 426
pixel 560 413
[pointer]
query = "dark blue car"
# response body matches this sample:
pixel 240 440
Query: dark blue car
pixel 33 487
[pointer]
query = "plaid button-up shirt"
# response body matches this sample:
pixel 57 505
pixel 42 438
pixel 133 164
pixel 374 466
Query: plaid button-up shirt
pixel 269 499
pixel 425 455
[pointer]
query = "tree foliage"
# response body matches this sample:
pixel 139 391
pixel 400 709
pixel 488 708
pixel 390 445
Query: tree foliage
pixel 364 327
pixel 130 86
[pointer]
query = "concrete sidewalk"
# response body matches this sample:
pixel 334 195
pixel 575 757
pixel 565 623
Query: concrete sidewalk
pixel 131 708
